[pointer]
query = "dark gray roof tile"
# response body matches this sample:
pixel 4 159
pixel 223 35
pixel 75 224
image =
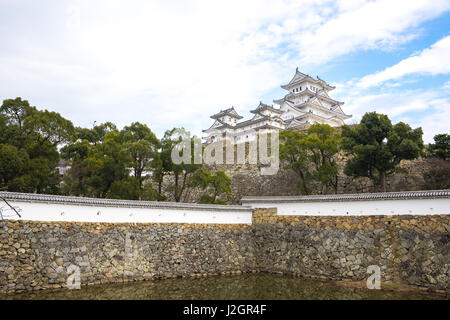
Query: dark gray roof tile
pixel 31 197
pixel 403 195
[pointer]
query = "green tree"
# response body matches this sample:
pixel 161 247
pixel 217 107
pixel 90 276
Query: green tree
pixel 107 163
pixel 38 134
pixel 441 147
pixel 126 188
pixel 149 193
pixel 45 126
pixel 217 183
pixel 17 110
pixel 97 133
pixel 377 147
pixel 294 155
pixel 12 115
pixel 182 172
pixel 80 180
pixel 13 163
pixel 142 145
pixel 162 163
pixel 323 143
pixel 76 178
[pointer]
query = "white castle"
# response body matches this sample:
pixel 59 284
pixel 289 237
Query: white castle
pixel 306 102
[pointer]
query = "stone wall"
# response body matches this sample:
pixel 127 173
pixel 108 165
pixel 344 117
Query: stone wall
pixel 36 255
pixel 412 175
pixel 412 250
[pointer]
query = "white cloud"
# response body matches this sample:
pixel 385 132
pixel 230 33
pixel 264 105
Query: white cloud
pixel 170 64
pixel 446 86
pixel 366 25
pixel 433 60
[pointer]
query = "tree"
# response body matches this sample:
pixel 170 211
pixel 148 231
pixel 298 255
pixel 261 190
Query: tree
pixel 142 145
pixel 80 180
pixel 12 115
pixel 323 143
pixel 219 183
pixel 377 147
pixel 13 163
pixel 36 136
pixel 17 110
pixel 441 147
pixel 162 163
pixel 43 176
pixel 149 193
pixel 45 126
pixel 107 163
pixel 126 188
pixel 182 172
pixel 75 180
pixel 97 133
pixel 294 154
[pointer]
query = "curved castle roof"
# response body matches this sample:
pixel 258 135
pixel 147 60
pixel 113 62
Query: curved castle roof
pixel 227 112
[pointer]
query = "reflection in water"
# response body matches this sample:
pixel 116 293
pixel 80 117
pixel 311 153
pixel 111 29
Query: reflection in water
pixel 247 286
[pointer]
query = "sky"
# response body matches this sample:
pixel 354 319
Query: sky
pixel 175 63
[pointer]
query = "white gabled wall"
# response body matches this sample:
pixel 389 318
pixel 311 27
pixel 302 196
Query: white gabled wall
pixel 359 208
pixel 41 211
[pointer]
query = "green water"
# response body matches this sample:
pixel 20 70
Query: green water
pixel 247 286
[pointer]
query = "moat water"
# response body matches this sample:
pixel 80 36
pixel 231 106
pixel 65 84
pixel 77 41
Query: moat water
pixel 238 287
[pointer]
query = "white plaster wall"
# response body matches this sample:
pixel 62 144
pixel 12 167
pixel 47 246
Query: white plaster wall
pixel 359 208
pixel 40 211
pixel 321 113
pixel 326 104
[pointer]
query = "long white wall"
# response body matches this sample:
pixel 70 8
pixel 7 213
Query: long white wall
pixel 41 211
pixel 424 206
pixel 58 208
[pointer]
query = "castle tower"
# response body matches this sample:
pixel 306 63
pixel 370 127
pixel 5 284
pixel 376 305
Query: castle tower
pixel 308 102
pixel 225 121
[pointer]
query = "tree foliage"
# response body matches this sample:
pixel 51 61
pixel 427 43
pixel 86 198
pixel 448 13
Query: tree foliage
pixel 108 163
pixel 377 147
pixel 323 142
pixel 182 173
pixel 214 184
pixel 142 145
pixel 312 156
pixel 441 147
pixel 295 156
pixel 30 139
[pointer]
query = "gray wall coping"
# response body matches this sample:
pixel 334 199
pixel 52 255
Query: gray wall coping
pixel 68 200
pixel 403 195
